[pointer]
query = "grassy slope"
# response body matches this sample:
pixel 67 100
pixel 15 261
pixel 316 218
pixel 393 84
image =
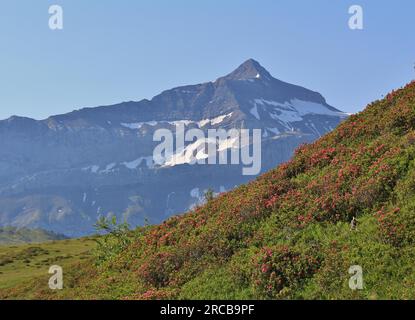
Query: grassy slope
pixel 12 235
pixel 285 235
pixel 23 262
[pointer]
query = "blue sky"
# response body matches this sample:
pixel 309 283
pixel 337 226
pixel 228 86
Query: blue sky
pixel 120 50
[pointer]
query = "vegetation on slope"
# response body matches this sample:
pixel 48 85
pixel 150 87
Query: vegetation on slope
pixel 286 235
pixel 13 235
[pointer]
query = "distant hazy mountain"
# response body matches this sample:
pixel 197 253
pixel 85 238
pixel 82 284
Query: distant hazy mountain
pixel 62 173
pixel 13 235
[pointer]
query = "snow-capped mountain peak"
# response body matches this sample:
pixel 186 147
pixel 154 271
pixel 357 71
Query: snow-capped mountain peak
pixel 62 173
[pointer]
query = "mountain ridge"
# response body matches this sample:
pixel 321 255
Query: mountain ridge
pixel 243 72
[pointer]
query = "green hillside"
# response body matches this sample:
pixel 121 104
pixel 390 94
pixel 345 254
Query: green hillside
pixel 13 235
pixel 286 235
pixel 25 262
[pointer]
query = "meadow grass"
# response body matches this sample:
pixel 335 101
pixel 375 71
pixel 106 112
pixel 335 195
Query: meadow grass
pixel 20 263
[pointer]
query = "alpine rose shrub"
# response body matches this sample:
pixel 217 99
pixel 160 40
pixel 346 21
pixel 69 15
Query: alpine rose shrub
pixel 279 269
pixel 158 269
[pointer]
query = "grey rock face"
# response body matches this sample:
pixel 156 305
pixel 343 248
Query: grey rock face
pixel 63 172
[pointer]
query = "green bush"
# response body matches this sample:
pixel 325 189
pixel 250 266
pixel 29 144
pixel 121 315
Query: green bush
pixel 114 240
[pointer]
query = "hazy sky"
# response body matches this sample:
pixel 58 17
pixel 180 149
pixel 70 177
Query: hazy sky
pixel 119 50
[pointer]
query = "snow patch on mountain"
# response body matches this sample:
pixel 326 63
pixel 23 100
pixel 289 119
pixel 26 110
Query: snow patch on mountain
pixel 275 131
pixel 200 124
pixel 109 168
pixel 254 112
pixel 112 167
pixel 198 150
pixel 92 169
pixel 137 162
pixel 292 111
pixel 138 125
pixel 295 109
